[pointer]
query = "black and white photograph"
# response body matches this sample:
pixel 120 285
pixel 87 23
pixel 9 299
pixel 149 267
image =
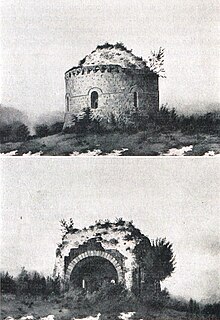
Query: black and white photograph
pixel 110 239
pixel 110 160
pixel 118 78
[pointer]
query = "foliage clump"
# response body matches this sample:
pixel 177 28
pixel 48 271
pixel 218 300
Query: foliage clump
pixel 13 125
pixel 164 120
pixel 110 297
pixel 118 53
pixel 43 129
pixel 68 227
pixel 29 283
pixel 15 132
pixel 155 62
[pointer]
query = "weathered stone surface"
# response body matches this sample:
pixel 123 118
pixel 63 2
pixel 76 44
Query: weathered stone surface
pixel 97 241
pixel 115 86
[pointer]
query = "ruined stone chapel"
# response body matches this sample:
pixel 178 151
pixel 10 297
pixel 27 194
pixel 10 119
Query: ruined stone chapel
pixel 103 253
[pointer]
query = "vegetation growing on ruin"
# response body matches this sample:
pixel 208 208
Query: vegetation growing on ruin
pixel 102 226
pixel 156 258
pixel 110 53
pixel 114 53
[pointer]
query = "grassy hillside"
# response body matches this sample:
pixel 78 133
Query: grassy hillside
pixel 143 143
pixel 62 309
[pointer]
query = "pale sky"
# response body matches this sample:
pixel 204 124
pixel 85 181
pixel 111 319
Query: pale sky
pixel 42 39
pixel 172 198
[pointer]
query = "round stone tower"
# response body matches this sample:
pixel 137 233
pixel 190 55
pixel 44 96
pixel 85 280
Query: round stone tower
pixel 111 81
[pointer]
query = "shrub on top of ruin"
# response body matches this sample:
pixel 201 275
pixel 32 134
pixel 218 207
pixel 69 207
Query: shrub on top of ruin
pixel 117 45
pixel 121 46
pixel 98 223
pixel 106 224
pixel 134 234
pixel 106 45
pixel 120 222
pixel 155 62
pixel 67 227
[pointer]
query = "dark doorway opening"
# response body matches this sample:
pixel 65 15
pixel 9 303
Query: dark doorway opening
pixel 92 272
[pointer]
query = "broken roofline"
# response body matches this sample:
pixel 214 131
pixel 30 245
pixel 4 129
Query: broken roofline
pixel 111 67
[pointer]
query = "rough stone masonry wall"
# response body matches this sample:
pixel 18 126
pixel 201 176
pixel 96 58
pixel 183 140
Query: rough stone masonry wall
pixel 125 248
pixel 115 86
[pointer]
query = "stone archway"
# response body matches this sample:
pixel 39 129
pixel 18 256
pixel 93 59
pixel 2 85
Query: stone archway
pixel 94 253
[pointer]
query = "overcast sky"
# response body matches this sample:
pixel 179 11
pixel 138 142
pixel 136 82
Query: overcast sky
pixel 172 198
pixel 42 39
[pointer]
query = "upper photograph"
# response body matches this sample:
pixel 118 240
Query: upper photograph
pixel 117 78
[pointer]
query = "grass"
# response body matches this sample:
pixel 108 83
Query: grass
pixel 17 307
pixel 143 143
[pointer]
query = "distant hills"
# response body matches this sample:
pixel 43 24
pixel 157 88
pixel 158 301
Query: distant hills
pixel 9 115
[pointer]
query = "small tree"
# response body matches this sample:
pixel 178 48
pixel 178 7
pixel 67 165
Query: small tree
pixel 193 307
pixel 156 263
pixel 8 284
pixel 5 132
pixel 37 284
pixel 156 61
pixel 42 130
pixel 22 132
pixel 84 121
pixel 23 282
pixel 56 128
pixel 49 286
pixel 56 285
pixel 67 227
pixel 164 260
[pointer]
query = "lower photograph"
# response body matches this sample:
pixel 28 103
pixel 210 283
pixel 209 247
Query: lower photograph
pixel 98 239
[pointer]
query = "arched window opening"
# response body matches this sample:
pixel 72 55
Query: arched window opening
pixel 68 103
pixel 135 99
pixel 94 100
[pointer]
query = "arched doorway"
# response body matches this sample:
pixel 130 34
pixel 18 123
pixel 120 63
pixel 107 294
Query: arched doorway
pixel 112 272
pixel 92 272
